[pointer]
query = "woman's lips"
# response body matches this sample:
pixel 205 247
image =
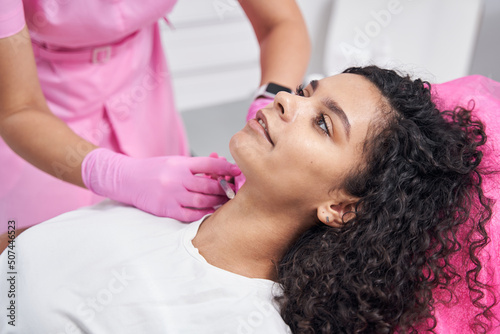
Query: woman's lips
pixel 259 123
pixel 261 118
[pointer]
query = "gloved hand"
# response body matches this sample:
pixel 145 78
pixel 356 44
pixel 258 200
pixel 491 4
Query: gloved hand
pixel 256 105
pixel 229 180
pixel 164 186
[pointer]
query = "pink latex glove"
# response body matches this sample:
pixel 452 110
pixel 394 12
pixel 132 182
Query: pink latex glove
pixel 256 105
pixel 238 182
pixel 230 180
pixel 164 186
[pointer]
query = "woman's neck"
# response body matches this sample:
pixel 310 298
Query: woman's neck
pixel 246 238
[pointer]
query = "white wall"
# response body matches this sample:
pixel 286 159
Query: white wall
pixel 486 60
pixel 214 55
pixel 430 39
pixel 484 54
pixel 212 52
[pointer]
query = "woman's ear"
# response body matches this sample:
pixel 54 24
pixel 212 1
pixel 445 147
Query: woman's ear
pixel 331 212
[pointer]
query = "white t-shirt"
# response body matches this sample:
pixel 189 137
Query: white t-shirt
pixel 115 269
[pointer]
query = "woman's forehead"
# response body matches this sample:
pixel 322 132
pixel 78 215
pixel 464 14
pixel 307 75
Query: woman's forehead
pixel 355 94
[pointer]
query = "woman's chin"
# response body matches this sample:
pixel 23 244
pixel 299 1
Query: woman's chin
pixel 237 147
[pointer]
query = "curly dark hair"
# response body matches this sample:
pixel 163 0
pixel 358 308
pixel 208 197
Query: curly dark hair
pixel 421 205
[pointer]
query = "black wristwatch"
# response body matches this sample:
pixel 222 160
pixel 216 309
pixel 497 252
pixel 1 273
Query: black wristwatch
pixel 270 90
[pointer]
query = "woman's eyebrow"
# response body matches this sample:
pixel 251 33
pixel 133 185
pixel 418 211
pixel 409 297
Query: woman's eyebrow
pixel 314 84
pixel 336 109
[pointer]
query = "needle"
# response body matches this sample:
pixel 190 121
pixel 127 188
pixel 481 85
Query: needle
pixel 225 186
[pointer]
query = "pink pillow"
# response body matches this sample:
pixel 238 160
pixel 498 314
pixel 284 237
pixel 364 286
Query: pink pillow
pixel 483 94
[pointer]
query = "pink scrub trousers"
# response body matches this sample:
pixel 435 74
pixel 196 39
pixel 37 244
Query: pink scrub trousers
pixel 103 72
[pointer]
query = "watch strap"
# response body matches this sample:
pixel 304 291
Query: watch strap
pixel 270 90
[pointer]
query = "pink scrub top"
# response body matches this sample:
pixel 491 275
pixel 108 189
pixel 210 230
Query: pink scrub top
pixel 103 72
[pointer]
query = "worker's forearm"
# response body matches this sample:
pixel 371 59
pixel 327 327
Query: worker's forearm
pixel 26 123
pixel 285 53
pixel 46 142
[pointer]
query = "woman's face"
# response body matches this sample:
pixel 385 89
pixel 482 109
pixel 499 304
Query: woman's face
pixel 300 147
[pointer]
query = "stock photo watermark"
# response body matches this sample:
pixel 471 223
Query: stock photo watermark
pixel 126 103
pixel 49 10
pixel 223 7
pixel 121 106
pixel 73 158
pixel 37 21
pixel 249 323
pixel 11 273
pixel 367 32
pixel 88 309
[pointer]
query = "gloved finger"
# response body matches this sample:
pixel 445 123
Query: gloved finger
pixel 209 165
pixel 258 104
pixel 215 155
pixel 191 215
pixel 239 181
pixel 203 185
pixel 201 201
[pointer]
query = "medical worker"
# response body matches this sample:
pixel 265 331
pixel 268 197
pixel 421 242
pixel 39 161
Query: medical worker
pixel 101 115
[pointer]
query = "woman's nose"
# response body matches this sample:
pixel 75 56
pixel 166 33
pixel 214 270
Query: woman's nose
pixel 286 105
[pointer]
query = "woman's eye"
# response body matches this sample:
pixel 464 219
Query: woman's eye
pixel 299 90
pixel 322 124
